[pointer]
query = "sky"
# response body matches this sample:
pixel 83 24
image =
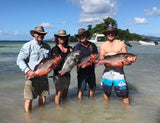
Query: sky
pixel 18 17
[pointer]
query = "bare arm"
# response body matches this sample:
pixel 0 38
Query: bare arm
pixel 124 48
pixel 102 53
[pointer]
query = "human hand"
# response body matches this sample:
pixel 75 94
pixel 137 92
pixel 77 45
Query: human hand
pixel 31 74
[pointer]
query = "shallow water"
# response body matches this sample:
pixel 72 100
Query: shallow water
pixel 143 80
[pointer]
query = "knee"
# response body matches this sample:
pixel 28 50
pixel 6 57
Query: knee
pixel 123 94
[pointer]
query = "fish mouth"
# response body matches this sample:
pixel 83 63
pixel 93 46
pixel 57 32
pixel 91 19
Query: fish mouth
pixel 132 58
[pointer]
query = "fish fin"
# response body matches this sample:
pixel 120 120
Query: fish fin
pixel 40 63
pixel 26 77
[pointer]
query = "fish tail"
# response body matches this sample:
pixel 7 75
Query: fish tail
pixel 26 77
pixel 96 62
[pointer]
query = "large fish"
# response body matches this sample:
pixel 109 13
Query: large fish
pixel 71 60
pixel 46 65
pixel 117 60
pixel 87 61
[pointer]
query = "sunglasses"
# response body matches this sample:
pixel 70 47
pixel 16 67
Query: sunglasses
pixel 62 37
pixel 111 33
pixel 41 34
pixel 81 37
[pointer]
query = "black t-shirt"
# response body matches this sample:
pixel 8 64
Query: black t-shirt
pixel 55 51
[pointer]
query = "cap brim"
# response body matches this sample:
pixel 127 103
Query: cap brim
pixel 106 32
pixel 86 32
pixel 55 35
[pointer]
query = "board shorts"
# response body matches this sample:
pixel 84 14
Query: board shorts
pixel 115 77
pixel 37 86
pixel 61 82
pixel 83 79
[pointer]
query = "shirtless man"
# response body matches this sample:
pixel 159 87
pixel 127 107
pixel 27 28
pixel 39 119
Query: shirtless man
pixel 113 76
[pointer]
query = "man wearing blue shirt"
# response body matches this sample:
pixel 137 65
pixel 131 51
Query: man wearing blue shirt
pixel 29 56
pixel 85 75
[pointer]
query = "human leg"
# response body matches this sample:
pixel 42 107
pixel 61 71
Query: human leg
pixel 64 94
pixel 57 97
pixel 92 83
pixel 122 90
pixel 66 83
pixel 126 100
pixel 80 94
pixel 91 92
pixel 107 91
pixel 107 83
pixel 42 89
pixel 81 85
pixel 28 105
pixel 106 97
pixel 42 100
pixel 29 94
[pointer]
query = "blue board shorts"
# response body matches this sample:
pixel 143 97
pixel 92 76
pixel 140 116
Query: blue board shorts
pixel 115 77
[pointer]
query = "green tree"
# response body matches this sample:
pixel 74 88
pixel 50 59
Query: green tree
pixel 122 34
pixel 110 22
pixel 89 27
pixel 73 39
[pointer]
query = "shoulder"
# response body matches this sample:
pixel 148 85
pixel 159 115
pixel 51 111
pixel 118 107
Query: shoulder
pixel 47 45
pixel 55 48
pixel 119 41
pixel 70 48
pixel 103 44
pixel 92 44
pixel 28 44
pixel 78 45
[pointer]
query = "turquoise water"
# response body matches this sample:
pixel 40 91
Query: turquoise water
pixel 143 80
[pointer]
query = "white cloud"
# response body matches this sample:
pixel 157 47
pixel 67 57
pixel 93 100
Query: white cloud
pixel 47 25
pixel 94 11
pixel 138 21
pixel 2 32
pixel 155 11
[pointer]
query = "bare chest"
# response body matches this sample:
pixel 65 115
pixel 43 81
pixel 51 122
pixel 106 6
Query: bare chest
pixel 111 49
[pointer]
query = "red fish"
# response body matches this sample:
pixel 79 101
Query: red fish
pixel 46 65
pixel 117 60
pixel 87 61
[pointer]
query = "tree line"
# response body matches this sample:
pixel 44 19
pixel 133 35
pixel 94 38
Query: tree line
pixel 100 28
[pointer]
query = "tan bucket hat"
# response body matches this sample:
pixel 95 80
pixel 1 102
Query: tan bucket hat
pixel 38 29
pixel 82 31
pixel 110 29
pixel 61 33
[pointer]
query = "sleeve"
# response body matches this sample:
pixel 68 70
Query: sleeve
pixel 70 49
pixel 49 54
pixel 95 50
pixel 23 58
